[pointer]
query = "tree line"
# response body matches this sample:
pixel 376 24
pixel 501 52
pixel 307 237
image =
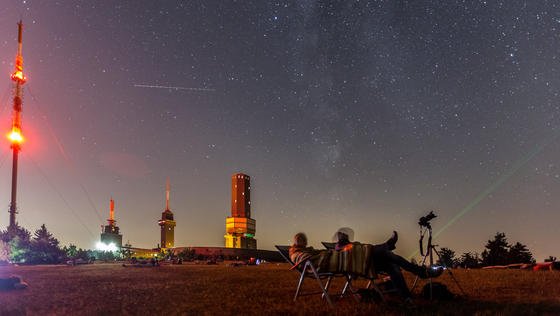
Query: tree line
pixel 497 251
pixel 18 245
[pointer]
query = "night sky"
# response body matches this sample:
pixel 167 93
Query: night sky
pixel 365 114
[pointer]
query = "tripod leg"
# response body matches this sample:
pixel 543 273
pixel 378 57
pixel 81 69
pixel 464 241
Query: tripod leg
pixel 450 273
pixel 431 289
pixel 417 277
pixel 456 282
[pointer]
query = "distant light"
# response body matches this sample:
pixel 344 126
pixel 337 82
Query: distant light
pixel 15 136
pixel 18 76
pixel 106 247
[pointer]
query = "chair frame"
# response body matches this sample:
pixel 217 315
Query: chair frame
pixel 308 270
pixel 349 278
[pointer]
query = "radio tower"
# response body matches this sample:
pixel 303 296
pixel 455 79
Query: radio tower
pixel 15 136
pixel 167 223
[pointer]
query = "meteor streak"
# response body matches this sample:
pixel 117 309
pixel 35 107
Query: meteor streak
pixel 170 87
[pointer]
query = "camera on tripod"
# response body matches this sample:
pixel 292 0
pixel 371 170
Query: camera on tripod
pixel 428 254
pixel 425 220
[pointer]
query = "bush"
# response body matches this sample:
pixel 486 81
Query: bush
pixel 4 252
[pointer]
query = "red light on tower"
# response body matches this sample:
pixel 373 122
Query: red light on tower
pixel 15 136
pixel 18 75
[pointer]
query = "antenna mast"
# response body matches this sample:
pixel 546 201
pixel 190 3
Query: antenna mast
pixel 167 195
pixel 15 136
pixel 111 212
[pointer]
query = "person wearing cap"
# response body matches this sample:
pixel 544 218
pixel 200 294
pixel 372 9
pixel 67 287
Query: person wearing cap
pixel 385 260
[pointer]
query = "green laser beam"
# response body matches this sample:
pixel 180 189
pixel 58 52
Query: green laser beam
pixel 491 188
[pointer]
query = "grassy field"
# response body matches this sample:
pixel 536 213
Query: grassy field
pixel 254 290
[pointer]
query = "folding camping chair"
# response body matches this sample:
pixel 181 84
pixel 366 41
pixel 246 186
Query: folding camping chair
pixel 349 278
pixel 307 270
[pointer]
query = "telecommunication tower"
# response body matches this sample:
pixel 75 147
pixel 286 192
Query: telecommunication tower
pixel 167 223
pixel 15 136
pixel 110 233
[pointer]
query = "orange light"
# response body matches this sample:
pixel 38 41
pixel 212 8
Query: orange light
pixel 15 136
pixel 18 76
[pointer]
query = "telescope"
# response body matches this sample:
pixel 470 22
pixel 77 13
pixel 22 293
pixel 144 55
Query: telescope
pixel 425 220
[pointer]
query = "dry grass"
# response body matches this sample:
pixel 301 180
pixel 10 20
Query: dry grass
pixel 254 290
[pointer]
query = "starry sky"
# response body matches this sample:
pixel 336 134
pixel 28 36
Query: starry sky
pixel 364 114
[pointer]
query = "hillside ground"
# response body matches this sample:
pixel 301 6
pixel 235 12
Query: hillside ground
pixel 255 290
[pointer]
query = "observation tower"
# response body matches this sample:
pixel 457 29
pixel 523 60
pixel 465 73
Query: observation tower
pixel 240 227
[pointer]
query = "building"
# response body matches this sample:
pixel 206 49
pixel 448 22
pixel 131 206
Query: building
pixel 240 227
pixel 111 239
pixel 141 253
pixel 167 224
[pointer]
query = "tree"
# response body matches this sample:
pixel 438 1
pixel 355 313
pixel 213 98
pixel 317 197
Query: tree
pixel 188 254
pixel 550 259
pixel 497 251
pixel 18 240
pixel 447 257
pixel 84 254
pixel 71 251
pixel 4 252
pixel 519 253
pixel 19 250
pixel 168 254
pixel 44 247
pixel 125 251
pixel 469 260
pixel 17 231
pixel 105 255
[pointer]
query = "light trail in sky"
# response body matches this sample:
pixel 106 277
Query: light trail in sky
pixel 495 185
pixel 171 87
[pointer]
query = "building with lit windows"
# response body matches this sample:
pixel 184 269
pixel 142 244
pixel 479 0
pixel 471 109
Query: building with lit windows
pixel 240 227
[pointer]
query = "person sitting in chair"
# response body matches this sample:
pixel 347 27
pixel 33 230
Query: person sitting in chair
pixel 381 258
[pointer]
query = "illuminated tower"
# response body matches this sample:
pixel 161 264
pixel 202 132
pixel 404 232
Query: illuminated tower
pixel 110 237
pixel 15 136
pixel 167 224
pixel 240 227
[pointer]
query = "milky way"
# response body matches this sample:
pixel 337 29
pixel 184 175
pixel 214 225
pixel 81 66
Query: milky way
pixel 364 114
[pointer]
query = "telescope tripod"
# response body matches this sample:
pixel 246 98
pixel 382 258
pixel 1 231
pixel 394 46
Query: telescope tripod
pixel 430 250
